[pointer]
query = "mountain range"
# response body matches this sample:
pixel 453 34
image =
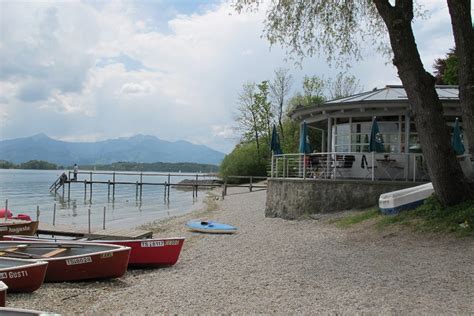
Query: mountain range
pixel 138 148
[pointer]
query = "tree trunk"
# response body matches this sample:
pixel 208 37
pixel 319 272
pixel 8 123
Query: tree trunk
pixel 450 184
pixel 460 11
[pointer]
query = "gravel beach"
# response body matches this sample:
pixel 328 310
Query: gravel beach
pixel 274 266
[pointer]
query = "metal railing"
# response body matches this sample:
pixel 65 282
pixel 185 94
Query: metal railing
pixel 351 165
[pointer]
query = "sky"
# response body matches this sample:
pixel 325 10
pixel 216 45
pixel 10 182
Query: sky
pixel 95 70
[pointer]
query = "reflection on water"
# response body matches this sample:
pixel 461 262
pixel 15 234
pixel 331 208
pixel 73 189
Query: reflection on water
pixel 27 189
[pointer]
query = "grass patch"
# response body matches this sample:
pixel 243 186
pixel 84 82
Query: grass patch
pixel 430 217
pixel 434 217
pixel 350 220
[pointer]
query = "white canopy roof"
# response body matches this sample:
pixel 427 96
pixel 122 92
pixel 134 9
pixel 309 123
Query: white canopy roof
pixel 388 101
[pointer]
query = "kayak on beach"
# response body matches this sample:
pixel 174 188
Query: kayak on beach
pixel 210 227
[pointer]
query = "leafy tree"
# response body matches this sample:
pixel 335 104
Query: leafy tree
pixel 248 117
pixel 446 69
pixel 343 86
pixel 313 89
pixel 37 164
pixel 264 109
pixel 6 165
pixel 279 90
pixel 244 161
pixel 255 115
pixel 337 27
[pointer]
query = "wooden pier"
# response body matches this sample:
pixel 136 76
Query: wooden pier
pixel 109 233
pixel 196 182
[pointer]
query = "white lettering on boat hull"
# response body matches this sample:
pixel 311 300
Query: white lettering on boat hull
pixel 81 260
pixel 152 243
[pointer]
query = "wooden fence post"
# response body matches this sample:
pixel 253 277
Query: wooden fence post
pixel 54 214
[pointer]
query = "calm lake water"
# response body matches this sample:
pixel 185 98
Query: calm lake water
pixel 27 189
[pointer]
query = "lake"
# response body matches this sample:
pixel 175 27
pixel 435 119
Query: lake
pixel 27 189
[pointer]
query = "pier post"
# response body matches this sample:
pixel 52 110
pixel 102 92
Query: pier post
pixel 69 190
pixel 168 192
pixel 108 190
pixel 5 215
pixel 141 185
pixel 37 212
pixel 113 188
pixel 250 185
pixel 63 191
pixel 90 196
pixel 197 185
pixel 136 191
pixel 103 223
pixel 224 189
pixel 164 197
pixel 54 214
pixel 89 219
pixel 85 189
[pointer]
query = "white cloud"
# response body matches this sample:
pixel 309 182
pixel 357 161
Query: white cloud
pixel 178 83
pixel 136 88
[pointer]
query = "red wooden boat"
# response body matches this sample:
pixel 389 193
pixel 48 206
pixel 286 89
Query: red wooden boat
pixel 21 275
pixel 8 311
pixel 3 293
pixel 151 252
pixel 17 227
pixel 72 261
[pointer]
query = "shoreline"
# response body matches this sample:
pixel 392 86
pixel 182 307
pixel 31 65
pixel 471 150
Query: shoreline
pixel 276 266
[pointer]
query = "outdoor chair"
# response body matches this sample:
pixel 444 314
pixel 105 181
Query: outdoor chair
pixel 343 164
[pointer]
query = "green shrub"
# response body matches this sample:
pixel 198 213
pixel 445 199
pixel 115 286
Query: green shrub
pixel 244 161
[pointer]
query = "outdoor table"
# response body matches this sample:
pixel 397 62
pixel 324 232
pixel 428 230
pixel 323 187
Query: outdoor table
pixel 389 168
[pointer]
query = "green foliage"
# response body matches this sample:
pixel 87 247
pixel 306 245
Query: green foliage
pixel 451 73
pixel 348 221
pixel 6 165
pixel 37 164
pixel 446 69
pixel 244 160
pixel 432 216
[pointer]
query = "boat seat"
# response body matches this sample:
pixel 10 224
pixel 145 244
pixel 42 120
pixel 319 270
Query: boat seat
pixel 53 252
pixel 9 250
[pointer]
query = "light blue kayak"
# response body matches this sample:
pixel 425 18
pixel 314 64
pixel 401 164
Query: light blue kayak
pixel 210 227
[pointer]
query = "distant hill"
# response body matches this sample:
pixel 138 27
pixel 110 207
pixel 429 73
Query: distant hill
pixel 139 148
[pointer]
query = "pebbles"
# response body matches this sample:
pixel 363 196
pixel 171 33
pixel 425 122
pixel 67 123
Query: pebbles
pixel 284 267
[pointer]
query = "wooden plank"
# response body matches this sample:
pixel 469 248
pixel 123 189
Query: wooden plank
pixel 113 233
pixel 53 252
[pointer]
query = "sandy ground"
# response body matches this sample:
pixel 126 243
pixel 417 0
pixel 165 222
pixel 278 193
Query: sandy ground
pixel 273 266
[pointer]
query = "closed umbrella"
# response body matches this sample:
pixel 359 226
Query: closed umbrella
pixel 376 139
pixel 305 147
pixel 275 143
pixel 456 141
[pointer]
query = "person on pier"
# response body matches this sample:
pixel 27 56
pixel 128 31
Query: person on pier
pixel 76 170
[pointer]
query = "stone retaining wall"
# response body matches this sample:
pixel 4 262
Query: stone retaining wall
pixel 292 198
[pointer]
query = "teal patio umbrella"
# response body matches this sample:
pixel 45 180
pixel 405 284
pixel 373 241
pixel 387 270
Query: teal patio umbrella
pixel 376 139
pixel 305 147
pixel 275 143
pixel 456 140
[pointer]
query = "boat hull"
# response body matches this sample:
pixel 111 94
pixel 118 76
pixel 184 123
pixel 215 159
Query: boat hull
pixel 8 311
pixel 86 260
pixel 18 227
pixel 24 278
pixel 3 294
pixel 150 252
pixel 402 200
